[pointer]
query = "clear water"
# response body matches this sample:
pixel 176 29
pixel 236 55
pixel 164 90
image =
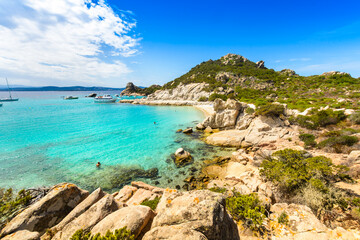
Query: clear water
pixel 45 140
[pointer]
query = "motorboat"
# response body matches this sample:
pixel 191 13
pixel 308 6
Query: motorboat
pixel 70 97
pixel 104 99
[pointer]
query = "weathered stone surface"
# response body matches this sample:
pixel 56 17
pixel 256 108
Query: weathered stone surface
pixel 89 218
pixel 148 187
pixel 173 233
pixel 81 208
pixel 200 126
pixel 141 195
pixel 22 235
pixel 226 114
pixel 48 211
pixel 188 130
pixel 125 193
pixel 201 210
pixel 193 92
pixel 227 138
pixel 134 218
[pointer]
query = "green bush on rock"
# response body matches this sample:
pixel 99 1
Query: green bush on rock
pixel 247 208
pixel 270 110
pixel 151 203
pixel 318 118
pixel 308 139
pixel 216 95
pixel 119 234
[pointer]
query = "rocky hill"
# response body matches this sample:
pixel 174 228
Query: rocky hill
pixel 234 76
pixel 132 90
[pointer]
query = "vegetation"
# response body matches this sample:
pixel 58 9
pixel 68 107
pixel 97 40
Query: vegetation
pixel 149 90
pixel 308 139
pixel 355 117
pixel 262 85
pixel 216 95
pixel 10 204
pixel 249 110
pixel 119 234
pixel 283 218
pixel 306 179
pixel 151 203
pixel 319 118
pixel 218 189
pixel 270 110
pixel 247 208
pixel 338 142
pixel 203 99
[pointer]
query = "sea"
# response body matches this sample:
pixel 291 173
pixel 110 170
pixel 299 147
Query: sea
pixel 46 140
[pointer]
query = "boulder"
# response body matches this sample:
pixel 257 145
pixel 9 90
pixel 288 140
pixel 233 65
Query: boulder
pixel 173 233
pixel 22 235
pixel 81 208
pixel 182 158
pixel 89 218
pixel 148 187
pixel 134 218
pixel 201 210
pixel 188 130
pixel 48 211
pixel 227 138
pixel 125 193
pixel 354 157
pixel 141 195
pixel 208 129
pixel 200 126
pixel 260 64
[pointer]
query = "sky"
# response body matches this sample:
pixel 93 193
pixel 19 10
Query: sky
pixel 111 42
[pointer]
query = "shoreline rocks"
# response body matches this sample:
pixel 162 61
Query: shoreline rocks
pixel 182 158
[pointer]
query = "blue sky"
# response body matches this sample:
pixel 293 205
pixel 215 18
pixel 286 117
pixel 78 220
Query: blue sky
pixel 161 40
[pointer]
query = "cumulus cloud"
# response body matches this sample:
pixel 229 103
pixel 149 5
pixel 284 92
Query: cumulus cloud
pixel 79 40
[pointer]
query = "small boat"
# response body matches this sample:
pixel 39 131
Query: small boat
pixel 104 99
pixel 92 95
pixel 70 97
pixel 9 99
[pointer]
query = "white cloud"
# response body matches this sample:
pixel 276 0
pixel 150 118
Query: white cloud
pixel 67 40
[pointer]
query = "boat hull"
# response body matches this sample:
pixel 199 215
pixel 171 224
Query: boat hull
pixel 9 99
pixel 104 100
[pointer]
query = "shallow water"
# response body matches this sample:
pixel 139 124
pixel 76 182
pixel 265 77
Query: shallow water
pixel 45 140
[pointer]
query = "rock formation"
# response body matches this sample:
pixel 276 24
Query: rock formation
pixel 132 90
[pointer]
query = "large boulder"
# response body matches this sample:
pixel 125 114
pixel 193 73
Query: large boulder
pixel 202 210
pixel 89 218
pixel 226 114
pixel 48 211
pixel 227 138
pixel 134 218
pixel 22 235
pixel 173 233
pixel 81 208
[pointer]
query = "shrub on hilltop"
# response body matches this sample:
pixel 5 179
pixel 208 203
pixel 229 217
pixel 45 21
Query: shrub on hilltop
pixel 319 118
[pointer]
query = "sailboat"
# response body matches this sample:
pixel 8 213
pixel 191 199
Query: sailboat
pixel 9 99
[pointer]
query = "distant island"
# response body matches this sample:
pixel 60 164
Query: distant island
pixel 54 88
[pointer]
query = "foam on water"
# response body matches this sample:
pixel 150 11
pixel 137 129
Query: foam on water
pixel 46 140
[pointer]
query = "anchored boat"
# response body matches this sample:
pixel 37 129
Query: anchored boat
pixel 104 99
pixel 70 97
pixel 9 99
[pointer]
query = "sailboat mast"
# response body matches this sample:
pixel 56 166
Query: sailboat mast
pixel 8 88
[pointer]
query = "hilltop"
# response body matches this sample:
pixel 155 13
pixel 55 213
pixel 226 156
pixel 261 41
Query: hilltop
pixel 234 76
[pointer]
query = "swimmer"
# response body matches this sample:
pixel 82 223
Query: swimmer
pixel 98 164
pixel 154 122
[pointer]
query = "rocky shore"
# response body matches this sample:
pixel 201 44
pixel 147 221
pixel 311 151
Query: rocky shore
pixel 230 198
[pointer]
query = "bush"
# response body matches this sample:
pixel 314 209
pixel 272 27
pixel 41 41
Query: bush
pixel 218 189
pixel 151 203
pixel 203 99
pixel 355 117
pixel 321 118
pixel 119 234
pixel 292 169
pixel 247 208
pixel 270 110
pixel 308 139
pixel 216 95
pixel 283 218
pixel 249 110
pixel 339 141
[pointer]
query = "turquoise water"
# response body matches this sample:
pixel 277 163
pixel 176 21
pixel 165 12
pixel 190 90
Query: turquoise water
pixel 45 140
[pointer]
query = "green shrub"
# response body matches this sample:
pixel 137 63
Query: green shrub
pixel 216 95
pixel 270 110
pixel 292 169
pixel 249 110
pixel 308 139
pixel 339 141
pixel 283 218
pixel 355 117
pixel 247 208
pixel 218 189
pixel 119 234
pixel 151 203
pixel 318 118
pixel 203 99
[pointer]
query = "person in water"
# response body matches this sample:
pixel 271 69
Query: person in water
pixel 98 164
pixel 154 122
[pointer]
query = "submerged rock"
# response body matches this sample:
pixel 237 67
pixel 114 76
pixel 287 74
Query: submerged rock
pixel 188 130
pixel 182 158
